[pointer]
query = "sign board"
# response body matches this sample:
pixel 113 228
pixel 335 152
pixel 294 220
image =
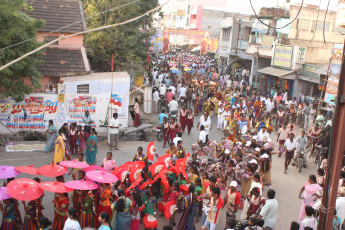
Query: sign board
pixel 185 32
pixel 267 42
pixel 301 53
pixel 259 27
pixel 282 22
pixel 308 71
pixel 243 44
pixel 283 56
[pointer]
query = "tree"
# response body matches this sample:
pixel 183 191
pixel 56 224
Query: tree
pixel 129 43
pixel 16 26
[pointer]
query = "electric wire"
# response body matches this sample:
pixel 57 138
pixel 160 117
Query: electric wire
pixel 317 20
pixel 84 32
pixel 64 27
pixel 324 22
pixel 257 17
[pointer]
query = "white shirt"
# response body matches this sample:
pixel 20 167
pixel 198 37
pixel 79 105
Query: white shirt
pixel 270 105
pixel 173 89
pixel 290 145
pixel 176 139
pixel 269 212
pixel 308 222
pixel 228 83
pixel 156 96
pixel 206 123
pixel 71 225
pixel 173 105
pixel 285 96
pixel 261 136
pixel 183 91
pixel 340 207
pixel 202 136
pixel 160 77
pixel 162 90
pixel 114 122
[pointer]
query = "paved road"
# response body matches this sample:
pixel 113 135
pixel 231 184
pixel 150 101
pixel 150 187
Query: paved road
pixel 286 185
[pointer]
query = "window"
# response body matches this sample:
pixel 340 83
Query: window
pixel 226 35
pixel 319 26
pixel 50 38
pixel 83 89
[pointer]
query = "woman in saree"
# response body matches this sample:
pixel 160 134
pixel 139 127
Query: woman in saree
pixel 231 127
pixel 59 154
pixel 196 105
pixel 31 215
pixel 80 139
pixel 122 208
pixel 104 202
pixel 61 205
pixel 309 193
pixel 91 147
pixel 9 219
pixel 190 210
pixel 87 217
pixel 51 137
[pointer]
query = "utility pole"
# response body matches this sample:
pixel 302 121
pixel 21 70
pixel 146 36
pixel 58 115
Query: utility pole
pixel 335 157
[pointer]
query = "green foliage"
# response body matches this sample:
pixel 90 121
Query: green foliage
pixel 129 43
pixel 17 26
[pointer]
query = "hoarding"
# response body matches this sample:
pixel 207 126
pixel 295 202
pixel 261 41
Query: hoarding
pixel 283 56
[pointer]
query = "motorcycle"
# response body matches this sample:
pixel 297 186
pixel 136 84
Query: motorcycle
pixel 159 132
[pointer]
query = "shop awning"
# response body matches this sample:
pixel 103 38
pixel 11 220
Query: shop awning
pixel 322 70
pixel 310 79
pixel 281 73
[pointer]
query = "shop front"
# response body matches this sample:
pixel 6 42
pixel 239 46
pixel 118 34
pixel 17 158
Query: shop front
pixel 310 82
pixel 274 79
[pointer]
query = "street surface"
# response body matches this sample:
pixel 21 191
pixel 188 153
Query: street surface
pixel 287 186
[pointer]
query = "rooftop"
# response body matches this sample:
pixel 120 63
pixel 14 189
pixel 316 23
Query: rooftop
pixel 57 14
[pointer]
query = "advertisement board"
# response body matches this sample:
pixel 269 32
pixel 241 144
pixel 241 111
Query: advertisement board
pixel 258 27
pixel 283 56
pixel 301 53
pixel 308 71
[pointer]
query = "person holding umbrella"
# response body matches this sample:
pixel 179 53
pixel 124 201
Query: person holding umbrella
pixel 9 219
pixel 87 217
pixel 91 147
pixel 61 205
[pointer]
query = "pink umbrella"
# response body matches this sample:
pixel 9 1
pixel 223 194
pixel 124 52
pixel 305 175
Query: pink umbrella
pixel 74 164
pixel 102 177
pixel 27 169
pixel 94 167
pixel 52 170
pixel 24 189
pixel 8 172
pixel 3 194
pixel 54 186
pixel 81 185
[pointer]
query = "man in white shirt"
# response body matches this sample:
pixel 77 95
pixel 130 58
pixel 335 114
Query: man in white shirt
pixel 285 96
pixel 177 138
pixel 183 91
pixel 173 89
pixel 309 220
pixel 155 101
pixel 162 90
pixel 269 211
pixel 173 106
pixel 205 120
pixel 263 135
pixel 202 136
pixel 290 147
pixel 269 104
pixel 161 77
pixel 340 207
pixel 228 82
pixel 114 132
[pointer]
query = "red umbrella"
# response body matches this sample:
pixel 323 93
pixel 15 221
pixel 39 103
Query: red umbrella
pixel 136 183
pixel 74 164
pixel 157 167
pixel 54 186
pixel 121 172
pixel 169 209
pixel 81 185
pixel 150 221
pixel 8 172
pixel 24 189
pixel 52 170
pixel 27 169
pixel 151 150
pixel 94 167
pixel 134 174
pixel 166 158
pixel 102 177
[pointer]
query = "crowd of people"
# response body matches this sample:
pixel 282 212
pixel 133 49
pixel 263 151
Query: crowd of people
pixel 228 174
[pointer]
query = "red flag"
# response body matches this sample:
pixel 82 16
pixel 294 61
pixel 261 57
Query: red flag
pixel 148 57
pixel 112 63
